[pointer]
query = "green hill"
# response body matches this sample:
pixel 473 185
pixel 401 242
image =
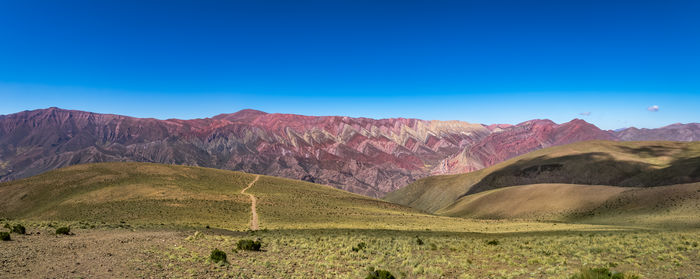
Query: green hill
pixel 144 193
pixel 675 205
pixel 626 164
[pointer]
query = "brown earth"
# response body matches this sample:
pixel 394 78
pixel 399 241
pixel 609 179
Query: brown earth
pixel 253 205
pixel 87 254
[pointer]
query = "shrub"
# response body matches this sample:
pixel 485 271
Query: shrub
pixel 5 236
pixel 197 235
pixel 419 241
pixel 63 230
pixel 247 244
pixel 380 274
pixel 492 242
pixel 218 256
pixel 19 229
pixel 601 273
pixel 360 246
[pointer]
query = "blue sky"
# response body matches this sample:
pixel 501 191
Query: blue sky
pixel 476 61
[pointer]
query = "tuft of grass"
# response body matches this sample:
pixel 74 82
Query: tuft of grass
pixel 19 229
pixel 380 274
pixel 601 273
pixel 360 246
pixel 218 256
pixel 249 245
pixel 63 230
pixel 5 236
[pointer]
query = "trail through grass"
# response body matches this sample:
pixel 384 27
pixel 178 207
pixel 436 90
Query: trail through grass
pixel 253 204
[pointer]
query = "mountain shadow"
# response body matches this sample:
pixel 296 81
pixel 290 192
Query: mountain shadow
pixel 595 168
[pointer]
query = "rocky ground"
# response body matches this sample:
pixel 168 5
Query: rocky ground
pixel 86 254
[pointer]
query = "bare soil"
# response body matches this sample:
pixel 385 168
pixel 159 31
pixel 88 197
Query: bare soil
pixel 253 205
pixel 86 254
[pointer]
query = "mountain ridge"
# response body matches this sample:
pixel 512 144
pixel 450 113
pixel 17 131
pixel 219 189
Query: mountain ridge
pixel 362 155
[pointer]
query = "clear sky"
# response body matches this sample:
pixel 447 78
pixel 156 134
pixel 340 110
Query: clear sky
pixel 608 62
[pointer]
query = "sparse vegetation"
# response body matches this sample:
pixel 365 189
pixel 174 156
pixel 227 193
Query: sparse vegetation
pixel 63 230
pixel 217 256
pixel 419 241
pixel 380 274
pixel 315 236
pixel 601 273
pixel 5 236
pixel 19 229
pixel 249 245
pixel 359 247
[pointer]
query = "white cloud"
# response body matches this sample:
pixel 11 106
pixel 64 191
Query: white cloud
pixel 585 113
pixel 653 108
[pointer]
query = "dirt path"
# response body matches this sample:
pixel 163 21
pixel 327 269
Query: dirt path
pixel 253 201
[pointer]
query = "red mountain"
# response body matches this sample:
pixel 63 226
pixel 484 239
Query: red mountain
pixel 506 142
pixel 362 155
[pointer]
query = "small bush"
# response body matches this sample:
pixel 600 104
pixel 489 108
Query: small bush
pixel 492 242
pixel 197 235
pixel 419 241
pixel 247 244
pixel 19 229
pixel 380 274
pixel 63 230
pixel 5 236
pixel 601 273
pixel 360 246
pixel 218 256
pixel 433 246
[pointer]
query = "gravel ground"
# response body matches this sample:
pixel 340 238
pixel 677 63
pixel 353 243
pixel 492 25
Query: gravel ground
pixel 113 253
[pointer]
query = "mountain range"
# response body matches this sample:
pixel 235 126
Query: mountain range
pixel 366 156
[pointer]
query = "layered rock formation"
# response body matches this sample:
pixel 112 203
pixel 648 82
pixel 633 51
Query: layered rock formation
pixel 361 155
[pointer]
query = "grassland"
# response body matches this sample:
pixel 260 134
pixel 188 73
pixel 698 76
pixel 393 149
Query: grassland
pixel 148 195
pixel 150 220
pixel 626 164
pixel 674 205
pixel 327 253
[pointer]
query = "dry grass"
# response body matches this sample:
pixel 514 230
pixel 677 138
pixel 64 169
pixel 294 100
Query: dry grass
pixel 539 201
pixel 650 163
pixel 675 205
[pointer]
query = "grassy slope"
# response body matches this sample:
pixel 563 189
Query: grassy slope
pixel 137 193
pixel 663 205
pixel 592 162
pixel 147 194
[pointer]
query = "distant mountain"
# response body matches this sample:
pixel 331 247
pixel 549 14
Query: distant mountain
pixel 676 132
pixel 510 141
pixel 361 155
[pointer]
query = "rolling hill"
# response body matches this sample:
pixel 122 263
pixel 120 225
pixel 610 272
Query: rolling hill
pixel 674 205
pixel 569 181
pixel 361 155
pixel 147 194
